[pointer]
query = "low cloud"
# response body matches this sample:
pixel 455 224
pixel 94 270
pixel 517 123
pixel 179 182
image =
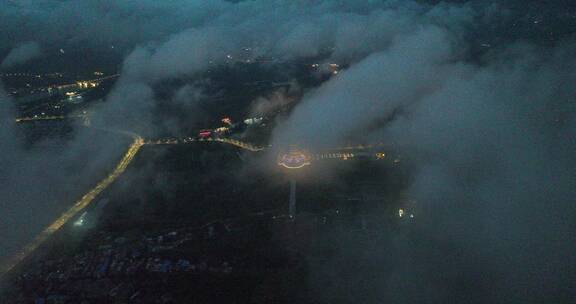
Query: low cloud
pixel 489 140
pixel 345 33
pixel 21 54
pixel 38 182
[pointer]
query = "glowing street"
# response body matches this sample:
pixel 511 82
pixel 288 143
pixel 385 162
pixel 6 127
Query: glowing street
pixel 75 209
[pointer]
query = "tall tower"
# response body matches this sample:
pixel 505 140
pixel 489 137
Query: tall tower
pixel 292 202
pixel 293 160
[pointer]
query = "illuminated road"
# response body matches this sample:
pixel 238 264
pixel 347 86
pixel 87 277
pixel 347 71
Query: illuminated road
pixel 186 140
pixel 42 118
pixel 239 144
pixel 75 209
pixel 121 167
pixel 344 153
pixel 102 185
pixel 81 83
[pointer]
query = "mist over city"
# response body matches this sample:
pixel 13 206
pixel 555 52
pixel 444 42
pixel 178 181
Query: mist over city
pixel 276 151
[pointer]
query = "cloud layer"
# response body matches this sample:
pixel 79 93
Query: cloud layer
pixel 21 54
pixel 490 133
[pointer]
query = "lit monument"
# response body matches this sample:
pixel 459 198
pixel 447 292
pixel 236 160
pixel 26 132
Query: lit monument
pixel 293 160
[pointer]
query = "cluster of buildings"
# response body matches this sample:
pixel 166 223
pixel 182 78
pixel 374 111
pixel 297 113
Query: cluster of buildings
pixel 110 267
pixel 73 88
pixel 177 265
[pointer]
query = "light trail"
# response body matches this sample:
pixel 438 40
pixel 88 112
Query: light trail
pixel 75 209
